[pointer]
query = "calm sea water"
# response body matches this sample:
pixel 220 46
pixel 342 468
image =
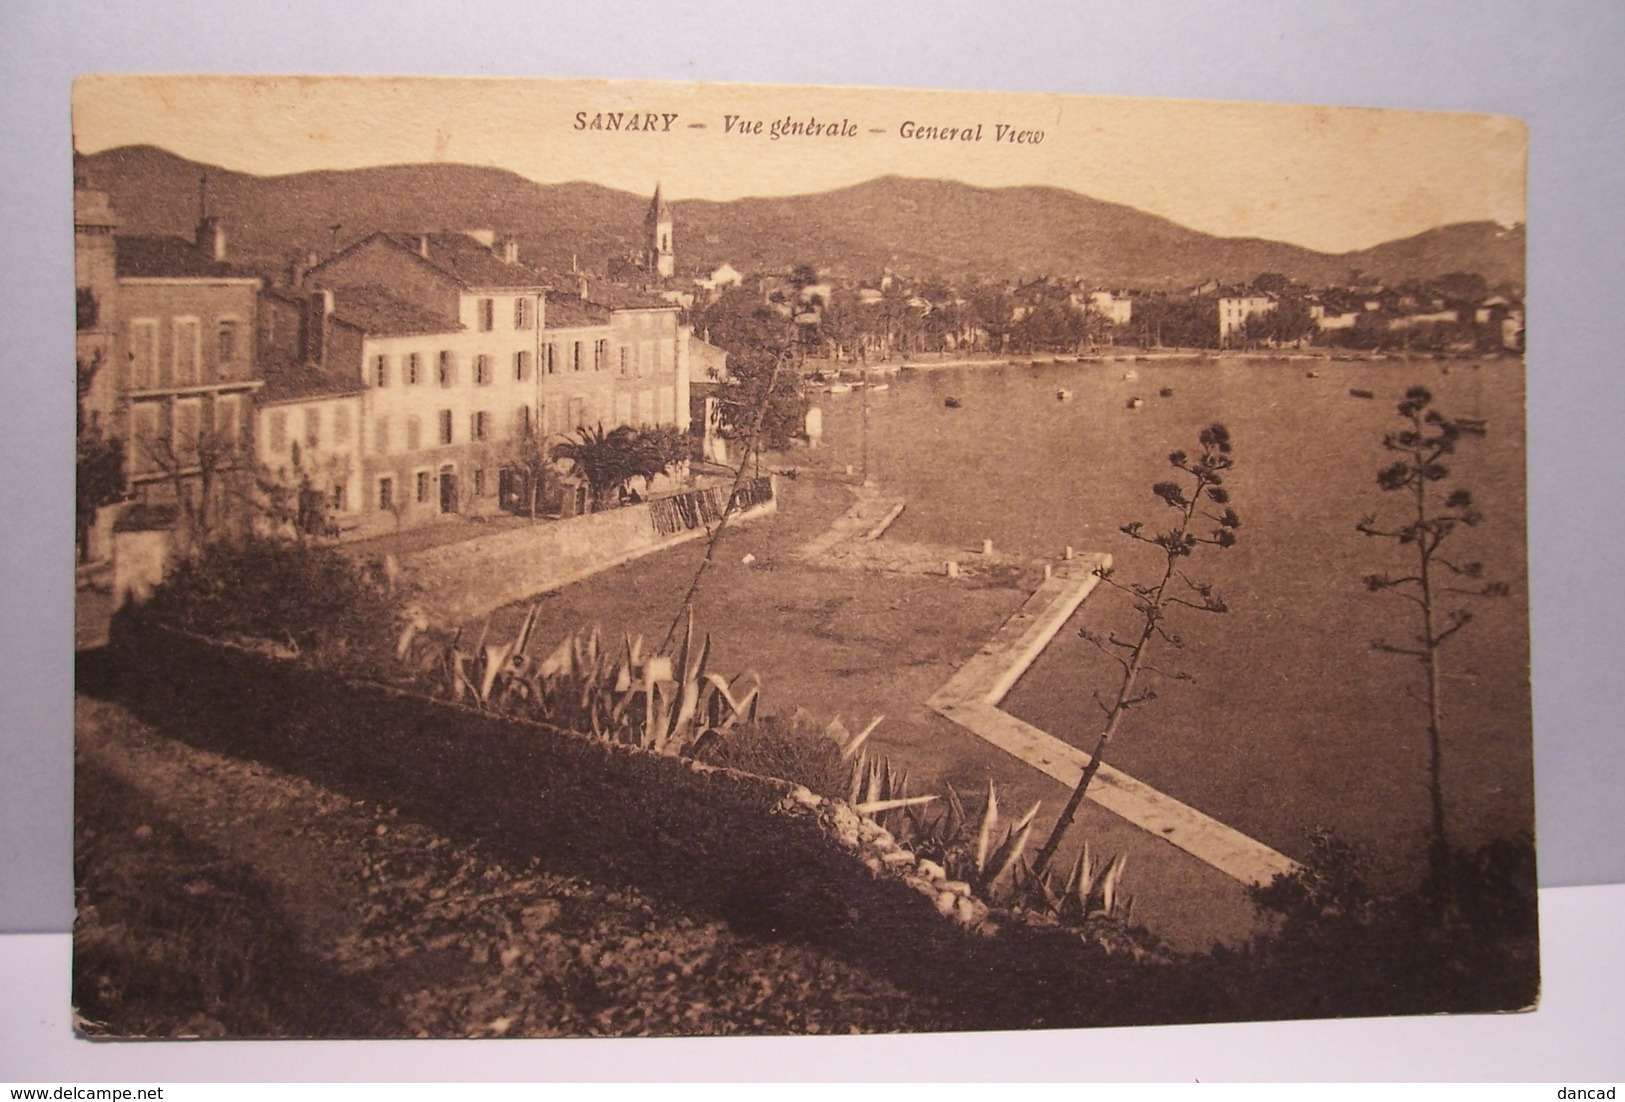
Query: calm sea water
pixel 1292 720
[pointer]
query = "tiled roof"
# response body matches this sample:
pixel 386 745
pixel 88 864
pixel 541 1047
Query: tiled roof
pixel 171 258
pixel 288 381
pixel 472 264
pixel 625 298
pixel 377 313
pixel 572 312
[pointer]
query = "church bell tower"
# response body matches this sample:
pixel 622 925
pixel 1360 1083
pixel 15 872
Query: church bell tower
pixel 658 257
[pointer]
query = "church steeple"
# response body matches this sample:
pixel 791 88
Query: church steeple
pixel 658 257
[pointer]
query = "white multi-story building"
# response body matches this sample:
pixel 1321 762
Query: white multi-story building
pixel 1114 308
pixel 435 361
pixel 1234 310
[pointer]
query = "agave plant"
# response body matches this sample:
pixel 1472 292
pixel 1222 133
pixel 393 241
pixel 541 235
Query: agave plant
pixel 873 787
pixel 667 703
pixel 985 862
pixel 673 705
pixel 1088 893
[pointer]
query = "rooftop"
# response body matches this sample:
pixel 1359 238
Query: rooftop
pixel 291 381
pixel 171 258
pixel 471 263
pixel 378 313
pixel 621 297
pixel 568 312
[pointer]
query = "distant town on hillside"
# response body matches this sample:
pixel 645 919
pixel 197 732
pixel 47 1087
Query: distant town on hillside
pixel 398 344
pixel 919 229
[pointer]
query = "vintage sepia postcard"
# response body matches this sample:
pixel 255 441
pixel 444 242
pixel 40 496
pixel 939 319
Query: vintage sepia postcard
pixel 567 559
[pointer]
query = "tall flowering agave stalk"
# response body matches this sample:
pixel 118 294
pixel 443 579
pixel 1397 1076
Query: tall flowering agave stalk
pixel 1435 582
pixel 1202 517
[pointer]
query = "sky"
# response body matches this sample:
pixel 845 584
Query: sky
pixel 1332 179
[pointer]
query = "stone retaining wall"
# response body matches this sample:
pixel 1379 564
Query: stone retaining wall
pixel 466 580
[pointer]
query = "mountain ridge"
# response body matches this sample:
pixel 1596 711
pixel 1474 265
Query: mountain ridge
pixel 914 227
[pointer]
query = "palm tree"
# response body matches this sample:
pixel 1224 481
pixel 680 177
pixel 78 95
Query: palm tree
pixel 609 460
pixel 606 460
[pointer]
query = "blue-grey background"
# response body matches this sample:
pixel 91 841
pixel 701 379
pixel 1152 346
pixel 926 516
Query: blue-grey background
pixel 1556 65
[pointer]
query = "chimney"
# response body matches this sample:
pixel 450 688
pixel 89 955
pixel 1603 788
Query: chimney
pixel 211 237
pixel 420 242
pixel 507 250
pixel 299 267
pixel 318 307
pixel 581 286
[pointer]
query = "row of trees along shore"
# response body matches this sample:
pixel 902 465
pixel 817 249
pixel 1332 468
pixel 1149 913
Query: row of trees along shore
pixel 1051 315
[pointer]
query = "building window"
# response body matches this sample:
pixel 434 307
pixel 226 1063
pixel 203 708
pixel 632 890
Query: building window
pixel 341 426
pixel 414 369
pixel 482 370
pixel 423 487
pixel 188 338
pixel 143 353
pixel 146 423
pixel 445 426
pixel 386 494
pixel 337 499
pixel 278 421
pixel 487 315
pixel 521 366
pixel 478 425
pixel 380 370
pixel 479 482
pixel 521 421
pixel 552 358
pixel 313 427
pixel 225 345
pixel 448 369
pixel 523 318
pixel 188 430
pixel 600 355
pixel 414 434
pixel 380 436
pixel 228 419
pixel 575 357
pixel 624 359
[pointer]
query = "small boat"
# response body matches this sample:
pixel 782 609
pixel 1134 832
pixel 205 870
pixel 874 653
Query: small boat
pixel 951 402
pixel 879 386
pixel 1166 392
pixel 1130 375
pixel 1063 395
pixel 840 388
pixel 1136 403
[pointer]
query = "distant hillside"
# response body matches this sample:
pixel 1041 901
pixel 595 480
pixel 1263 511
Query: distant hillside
pixel 915 227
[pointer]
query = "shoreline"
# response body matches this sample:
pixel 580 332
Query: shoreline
pixel 890 368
